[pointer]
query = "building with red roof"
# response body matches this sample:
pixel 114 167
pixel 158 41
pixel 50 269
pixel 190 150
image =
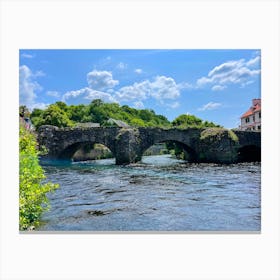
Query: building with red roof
pixel 251 120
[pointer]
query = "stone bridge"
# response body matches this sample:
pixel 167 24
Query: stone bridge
pixel 128 144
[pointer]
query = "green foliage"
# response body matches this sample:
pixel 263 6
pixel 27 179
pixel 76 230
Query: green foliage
pixel 53 115
pixel 77 113
pixel 23 111
pixel 175 149
pixel 32 192
pixel 233 136
pixel 137 122
pixel 191 121
pixel 36 117
pixel 187 121
pixel 62 115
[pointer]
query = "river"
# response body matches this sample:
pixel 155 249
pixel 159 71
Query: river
pixel 159 194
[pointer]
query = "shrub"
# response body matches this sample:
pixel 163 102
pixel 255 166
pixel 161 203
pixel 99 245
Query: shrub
pixel 32 192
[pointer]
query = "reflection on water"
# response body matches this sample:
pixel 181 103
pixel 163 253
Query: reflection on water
pixel 158 194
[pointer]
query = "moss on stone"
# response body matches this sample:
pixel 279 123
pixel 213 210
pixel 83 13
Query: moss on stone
pixel 233 136
pixel 217 133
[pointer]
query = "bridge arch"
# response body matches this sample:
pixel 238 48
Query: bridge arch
pixel 249 153
pixel 189 153
pixel 68 151
pixel 185 139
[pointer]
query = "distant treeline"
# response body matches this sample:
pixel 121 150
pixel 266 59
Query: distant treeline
pixel 61 115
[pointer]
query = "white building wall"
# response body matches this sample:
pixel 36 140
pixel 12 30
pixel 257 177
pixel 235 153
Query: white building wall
pixel 253 124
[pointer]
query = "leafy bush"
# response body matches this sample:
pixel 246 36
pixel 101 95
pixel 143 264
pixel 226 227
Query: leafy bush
pixel 32 192
pixel 191 121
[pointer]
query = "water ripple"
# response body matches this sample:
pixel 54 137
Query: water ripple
pixel 159 194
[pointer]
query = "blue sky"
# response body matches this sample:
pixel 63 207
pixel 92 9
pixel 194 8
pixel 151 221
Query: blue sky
pixel 215 85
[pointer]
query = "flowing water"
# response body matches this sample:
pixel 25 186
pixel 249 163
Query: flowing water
pixel 158 194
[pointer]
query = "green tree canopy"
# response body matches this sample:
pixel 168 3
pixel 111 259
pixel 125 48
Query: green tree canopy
pixel 62 115
pixel 185 121
pixel 53 115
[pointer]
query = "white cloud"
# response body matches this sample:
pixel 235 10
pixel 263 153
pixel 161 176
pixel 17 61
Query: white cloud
pixel 160 88
pixel 27 55
pixel 174 105
pixel 53 93
pixel 246 84
pixel 138 105
pixel 94 94
pixel 101 80
pixel 28 86
pixel 39 74
pixel 185 85
pixel 39 105
pixel 138 91
pixel 231 72
pixel 122 66
pixel 226 67
pixel 210 106
pixel 138 71
pixel 164 88
pixel 101 86
pixel 79 96
pixel 203 81
pixel 254 61
pixel 218 88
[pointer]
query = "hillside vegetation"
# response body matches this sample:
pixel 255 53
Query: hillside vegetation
pixel 61 115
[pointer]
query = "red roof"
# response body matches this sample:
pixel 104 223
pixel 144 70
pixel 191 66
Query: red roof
pixel 248 113
pixel 252 110
pixel 257 108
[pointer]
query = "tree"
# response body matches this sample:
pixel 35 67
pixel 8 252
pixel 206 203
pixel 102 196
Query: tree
pixel 32 192
pixel 137 122
pixel 54 115
pixel 36 117
pixel 62 115
pixel 187 121
pixel 77 113
pixel 96 102
pixel 24 112
pixel 61 105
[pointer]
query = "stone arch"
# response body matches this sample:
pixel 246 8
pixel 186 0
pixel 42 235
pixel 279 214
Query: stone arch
pixel 249 153
pixel 69 151
pixel 189 151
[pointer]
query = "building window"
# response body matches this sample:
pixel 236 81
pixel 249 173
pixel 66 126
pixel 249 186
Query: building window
pixel 253 118
pixel 253 128
pixel 259 114
pixel 259 127
pixel 247 120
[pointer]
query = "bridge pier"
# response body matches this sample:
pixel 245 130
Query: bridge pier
pixel 127 143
